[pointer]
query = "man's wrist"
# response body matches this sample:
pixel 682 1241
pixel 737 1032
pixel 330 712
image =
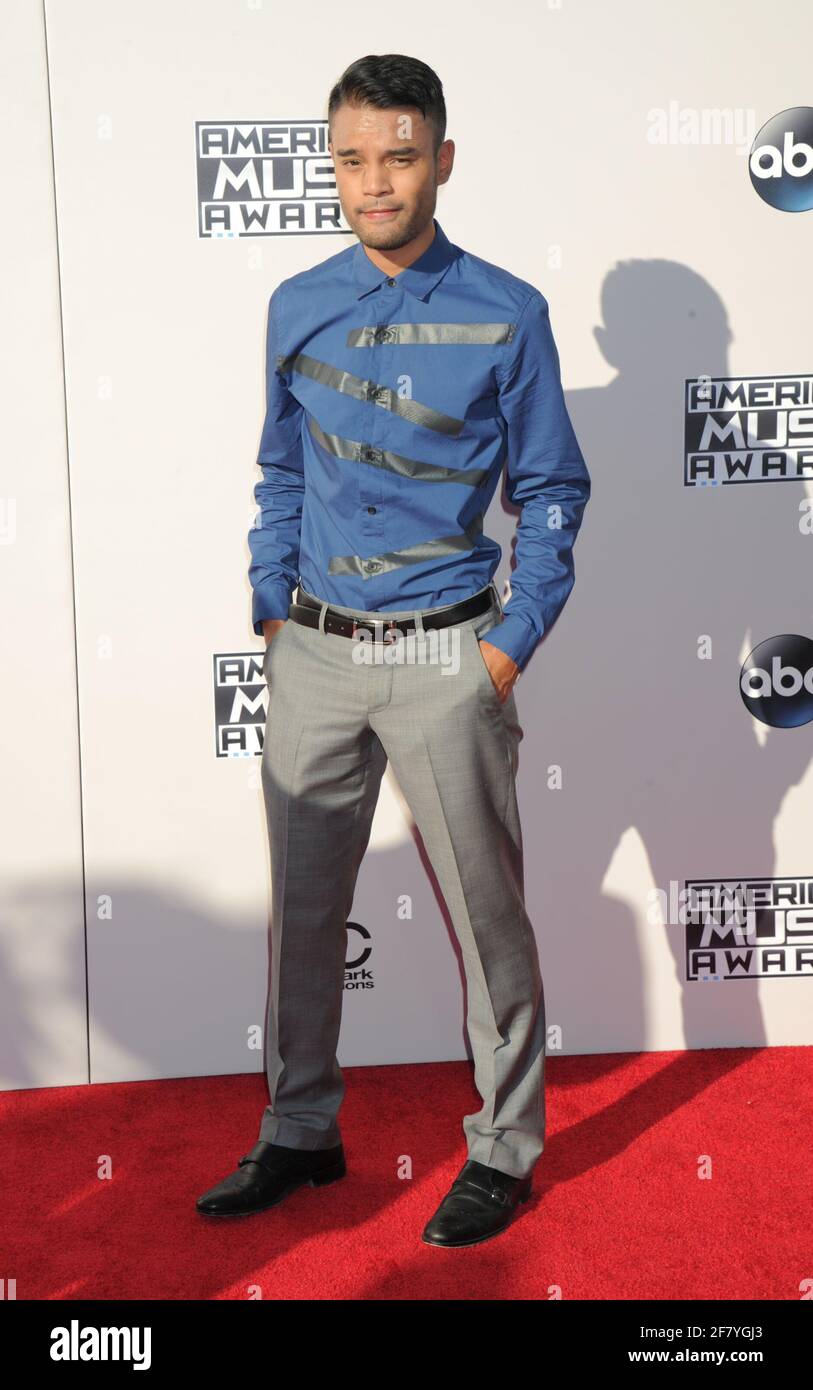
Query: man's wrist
pixel 514 637
pixel 270 599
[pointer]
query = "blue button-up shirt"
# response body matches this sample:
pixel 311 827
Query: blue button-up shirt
pixel 392 405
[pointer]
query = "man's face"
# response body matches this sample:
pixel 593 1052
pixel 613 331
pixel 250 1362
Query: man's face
pixel 386 160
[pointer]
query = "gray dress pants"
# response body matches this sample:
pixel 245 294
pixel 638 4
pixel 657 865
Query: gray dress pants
pixel 333 722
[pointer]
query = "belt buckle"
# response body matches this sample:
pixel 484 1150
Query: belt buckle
pixel 389 628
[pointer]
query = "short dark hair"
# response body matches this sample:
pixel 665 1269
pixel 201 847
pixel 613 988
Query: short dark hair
pixel 392 79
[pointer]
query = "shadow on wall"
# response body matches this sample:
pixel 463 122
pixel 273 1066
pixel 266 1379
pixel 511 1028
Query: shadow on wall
pixel 652 740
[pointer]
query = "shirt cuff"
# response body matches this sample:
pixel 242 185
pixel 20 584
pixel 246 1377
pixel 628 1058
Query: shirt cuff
pixel 271 600
pixel 514 637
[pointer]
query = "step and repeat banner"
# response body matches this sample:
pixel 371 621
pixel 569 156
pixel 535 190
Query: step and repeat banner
pixel 650 170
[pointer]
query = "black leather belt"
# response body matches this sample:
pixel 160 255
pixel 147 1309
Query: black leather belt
pixel 306 611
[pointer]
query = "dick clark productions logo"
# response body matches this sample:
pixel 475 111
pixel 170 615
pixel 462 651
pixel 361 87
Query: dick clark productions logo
pixel 781 161
pixel 776 681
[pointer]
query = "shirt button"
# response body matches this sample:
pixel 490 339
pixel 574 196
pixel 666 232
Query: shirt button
pixel 390 282
pixel 371 510
pixel 370 566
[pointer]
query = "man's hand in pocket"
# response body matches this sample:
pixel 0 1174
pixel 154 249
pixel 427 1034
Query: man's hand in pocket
pixel 271 626
pixel 502 670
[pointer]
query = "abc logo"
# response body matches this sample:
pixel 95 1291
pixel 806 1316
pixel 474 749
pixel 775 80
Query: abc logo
pixel 776 681
pixel 781 160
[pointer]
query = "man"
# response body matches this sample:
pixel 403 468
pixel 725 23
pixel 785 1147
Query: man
pixel 401 374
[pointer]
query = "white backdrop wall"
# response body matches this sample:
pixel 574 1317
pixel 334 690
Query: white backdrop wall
pixel 660 263
pixel 43 998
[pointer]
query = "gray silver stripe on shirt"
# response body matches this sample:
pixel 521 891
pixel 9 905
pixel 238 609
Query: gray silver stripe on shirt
pixel 371 391
pixel 373 334
pixel 372 565
pixel 356 452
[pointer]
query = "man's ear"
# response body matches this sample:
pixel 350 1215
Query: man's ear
pixel 446 155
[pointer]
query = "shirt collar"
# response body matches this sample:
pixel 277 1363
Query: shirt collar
pixel 420 277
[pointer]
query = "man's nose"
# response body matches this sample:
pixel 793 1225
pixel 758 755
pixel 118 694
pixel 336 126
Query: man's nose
pixel 376 183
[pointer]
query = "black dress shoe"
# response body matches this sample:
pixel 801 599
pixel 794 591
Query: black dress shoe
pixel 267 1174
pixel 480 1203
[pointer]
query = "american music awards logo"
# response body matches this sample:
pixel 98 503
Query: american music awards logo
pixel 756 429
pixel 265 178
pixel 241 704
pixel 747 929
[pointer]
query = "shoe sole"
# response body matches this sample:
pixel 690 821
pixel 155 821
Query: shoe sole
pixel 316 1180
pixel 478 1240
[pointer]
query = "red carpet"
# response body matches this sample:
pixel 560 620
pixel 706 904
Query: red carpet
pixel 618 1211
